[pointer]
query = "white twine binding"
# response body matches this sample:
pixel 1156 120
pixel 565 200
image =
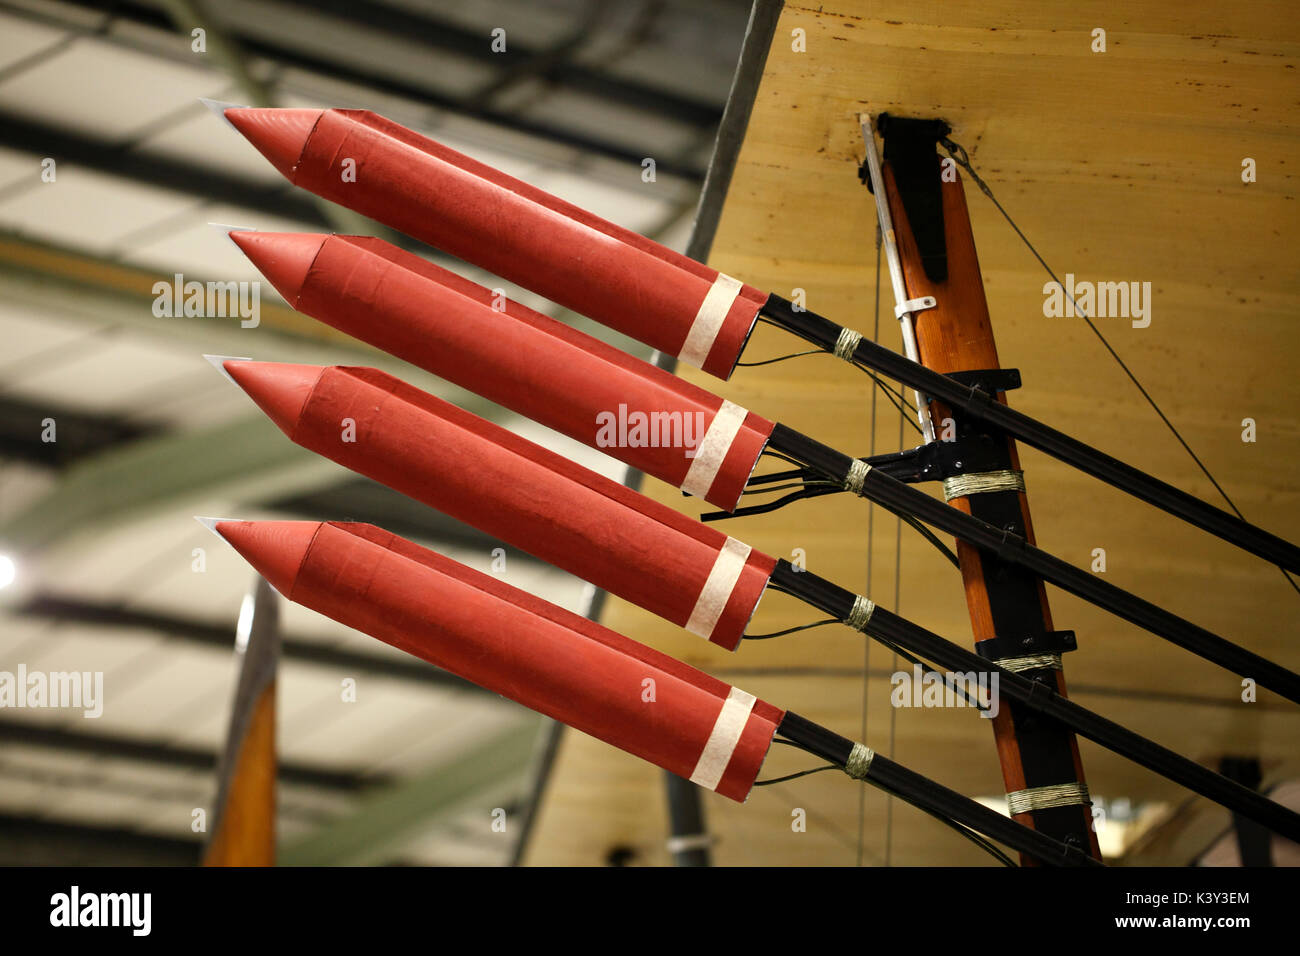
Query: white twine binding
pixel 859 761
pixel 694 841
pixel 959 486
pixel 857 476
pixel 1033 662
pixel 861 613
pixel 846 344
pixel 1045 798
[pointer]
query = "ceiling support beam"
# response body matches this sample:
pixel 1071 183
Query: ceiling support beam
pixel 241 461
pixel 374 831
pixel 246 461
pixel 111 619
pixel 111 746
pixel 52 280
pixel 28 842
pixel 660 104
pixel 225 49
pixel 438 34
pixel 81 433
pixel 123 160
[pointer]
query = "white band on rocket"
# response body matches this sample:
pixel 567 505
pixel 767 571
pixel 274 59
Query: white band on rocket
pixel 717 589
pixel 727 730
pixel 708 320
pixel 712 449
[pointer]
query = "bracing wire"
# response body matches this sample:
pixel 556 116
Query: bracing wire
pixel 927 669
pixel 895 395
pixel 915 523
pixel 871 529
pixel 983 842
pixel 903 416
pixel 960 157
pixel 897 649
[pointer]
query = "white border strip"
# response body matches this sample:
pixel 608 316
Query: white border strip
pixel 708 320
pixel 727 730
pixel 713 448
pixel 718 587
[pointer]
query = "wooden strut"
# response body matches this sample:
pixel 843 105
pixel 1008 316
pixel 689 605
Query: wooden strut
pixel 243 820
pixel 955 336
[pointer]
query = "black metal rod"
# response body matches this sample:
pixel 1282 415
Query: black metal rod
pixel 891 628
pixel 926 794
pixel 689 838
pixel 903 499
pixel 979 404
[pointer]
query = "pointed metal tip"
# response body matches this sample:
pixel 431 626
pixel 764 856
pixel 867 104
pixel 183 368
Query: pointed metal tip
pixel 219 107
pixel 211 524
pixel 219 363
pixel 226 229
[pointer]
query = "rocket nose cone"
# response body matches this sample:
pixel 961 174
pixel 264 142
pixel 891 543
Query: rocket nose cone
pixel 275 549
pixel 284 258
pixel 278 134
pixel 280 390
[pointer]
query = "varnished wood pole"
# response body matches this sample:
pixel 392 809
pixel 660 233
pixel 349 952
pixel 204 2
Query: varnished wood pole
pixel 956 335
pixel 242 824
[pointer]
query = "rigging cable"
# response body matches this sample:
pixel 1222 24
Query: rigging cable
pixel 895 395
pixel 983 842
pixel 871 528
pixel 959 156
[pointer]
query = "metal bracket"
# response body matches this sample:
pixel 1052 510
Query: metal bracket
pixel 1032 642
pixel 913 306
pixel 938 460
pixel 989 380
pixel 969 451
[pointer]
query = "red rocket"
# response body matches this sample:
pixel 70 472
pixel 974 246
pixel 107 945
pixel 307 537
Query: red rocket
pixel 568 667
pixel 520 359
pixel 517 645
pixel 482 474
pixel 476 213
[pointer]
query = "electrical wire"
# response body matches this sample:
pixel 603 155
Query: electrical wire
pixel 895 395
pixel 781 358
pixel 794 484
pixel 795 776
pixel 790 630
pixel 786 458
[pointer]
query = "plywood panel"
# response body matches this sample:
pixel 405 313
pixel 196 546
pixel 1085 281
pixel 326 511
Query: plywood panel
pixel 1122 165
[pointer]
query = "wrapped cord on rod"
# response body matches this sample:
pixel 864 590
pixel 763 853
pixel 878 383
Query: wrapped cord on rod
pixel 979 404
pixel 889 628
pixel 902 499
pixel 925 794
